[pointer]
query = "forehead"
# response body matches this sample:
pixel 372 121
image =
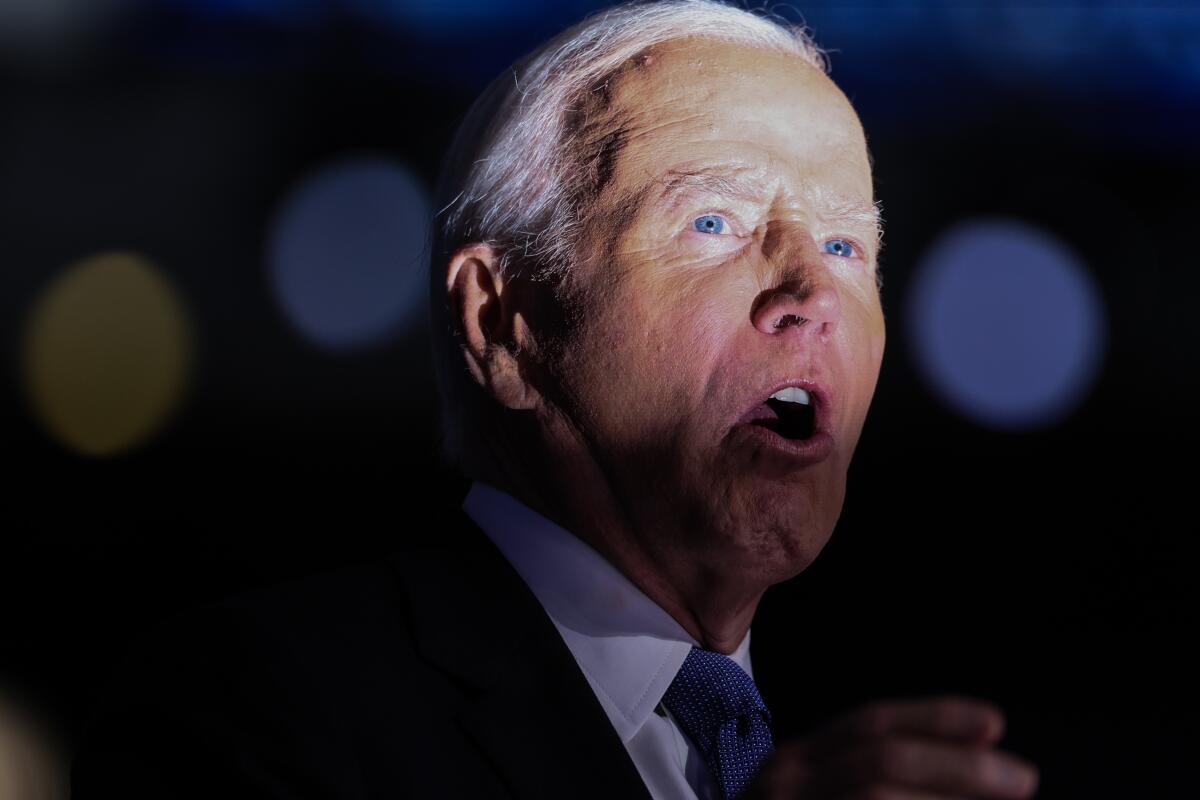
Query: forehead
pixel 695 101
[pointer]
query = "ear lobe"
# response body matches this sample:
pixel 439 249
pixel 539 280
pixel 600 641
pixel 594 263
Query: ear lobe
pixel 486 314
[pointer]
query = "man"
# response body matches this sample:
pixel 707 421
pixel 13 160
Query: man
pixel 658 326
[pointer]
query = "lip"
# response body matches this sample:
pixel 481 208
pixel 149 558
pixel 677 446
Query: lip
pixel 794 452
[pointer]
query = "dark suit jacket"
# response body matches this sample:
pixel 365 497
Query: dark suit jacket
pixel 433 672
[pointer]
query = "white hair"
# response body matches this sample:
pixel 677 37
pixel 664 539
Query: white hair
pixel 530 155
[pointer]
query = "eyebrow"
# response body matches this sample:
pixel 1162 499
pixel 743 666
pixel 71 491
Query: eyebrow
pixel 674 184
pixel 850 211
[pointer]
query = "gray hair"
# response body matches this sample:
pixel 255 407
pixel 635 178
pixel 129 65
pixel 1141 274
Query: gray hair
pixel 530 155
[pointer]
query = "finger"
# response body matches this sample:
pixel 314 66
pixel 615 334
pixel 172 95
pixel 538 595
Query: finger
pixel 789 774
pixel 782 778
pixel 945 769
pixel 953 717
pixel 785 778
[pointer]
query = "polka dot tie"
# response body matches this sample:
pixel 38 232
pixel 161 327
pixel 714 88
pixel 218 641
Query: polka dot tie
pixel 719 707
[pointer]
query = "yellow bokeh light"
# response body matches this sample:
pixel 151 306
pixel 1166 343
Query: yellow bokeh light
pixel 107 352
pixel 32 766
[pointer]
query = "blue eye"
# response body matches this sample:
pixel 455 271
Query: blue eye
pixel 839 247
pixel 709 223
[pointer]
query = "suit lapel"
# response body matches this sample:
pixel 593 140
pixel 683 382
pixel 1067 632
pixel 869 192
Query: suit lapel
pixel 530 709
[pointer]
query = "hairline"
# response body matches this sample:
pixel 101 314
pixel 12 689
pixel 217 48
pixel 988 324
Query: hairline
pixel 558 75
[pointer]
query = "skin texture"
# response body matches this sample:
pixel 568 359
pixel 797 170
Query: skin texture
pixel 680 339
pixel 677 334
pixel 624 428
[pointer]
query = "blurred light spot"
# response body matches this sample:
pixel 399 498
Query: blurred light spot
pixel 1006 323
pixel 107 352
pixel 347 253
pixel 32 766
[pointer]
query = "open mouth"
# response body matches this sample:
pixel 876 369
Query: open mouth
pixel 788 412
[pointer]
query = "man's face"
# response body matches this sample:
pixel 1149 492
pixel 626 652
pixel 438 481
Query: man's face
pixel 732 252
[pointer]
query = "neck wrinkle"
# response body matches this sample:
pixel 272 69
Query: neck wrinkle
pixel 698 600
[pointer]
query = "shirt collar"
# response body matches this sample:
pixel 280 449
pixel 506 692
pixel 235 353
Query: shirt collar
pixel 627 646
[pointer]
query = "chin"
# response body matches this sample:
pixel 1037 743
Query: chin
pixel 787 550
pixel 780 532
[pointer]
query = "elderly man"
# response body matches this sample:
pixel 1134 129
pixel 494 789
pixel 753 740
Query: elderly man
pixel 658 328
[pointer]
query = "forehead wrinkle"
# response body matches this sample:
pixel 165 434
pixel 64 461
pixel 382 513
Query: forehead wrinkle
pixel 639 130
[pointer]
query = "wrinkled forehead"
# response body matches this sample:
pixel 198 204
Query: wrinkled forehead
pixel 689 102
pixel 720 93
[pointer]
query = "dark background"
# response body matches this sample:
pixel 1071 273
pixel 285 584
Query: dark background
pixel 1048 569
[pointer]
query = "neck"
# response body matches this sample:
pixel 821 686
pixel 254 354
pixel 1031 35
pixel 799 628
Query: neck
pixel 714 607
pixel 714 610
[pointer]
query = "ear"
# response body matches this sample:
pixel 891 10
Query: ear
pixel 488 312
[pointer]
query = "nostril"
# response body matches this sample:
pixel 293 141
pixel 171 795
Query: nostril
pixel 780 309
pixel 790 319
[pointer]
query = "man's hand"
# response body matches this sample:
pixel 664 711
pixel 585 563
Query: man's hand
pixel 937 749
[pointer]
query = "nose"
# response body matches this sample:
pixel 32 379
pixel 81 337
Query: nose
pixel 803 294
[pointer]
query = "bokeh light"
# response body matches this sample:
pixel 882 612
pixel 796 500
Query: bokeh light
pixel 347 253
pixel 32 762
pixel 107 353
pixel 1006 323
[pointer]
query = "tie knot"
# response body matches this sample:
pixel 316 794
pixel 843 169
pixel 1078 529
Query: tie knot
pixel 714 685
pixel 719 707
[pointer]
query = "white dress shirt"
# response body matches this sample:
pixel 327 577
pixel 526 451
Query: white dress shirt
pixel 628 648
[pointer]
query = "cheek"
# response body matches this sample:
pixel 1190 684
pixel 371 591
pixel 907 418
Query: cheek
pixel 879 337
pixel 666 331
pixel 878 342
pixel 867 337
pixel 624 368
pixel 875 330
pixel 690 324
pixel 654 355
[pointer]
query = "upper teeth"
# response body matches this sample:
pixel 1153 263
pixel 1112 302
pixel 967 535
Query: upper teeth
pixel 792 394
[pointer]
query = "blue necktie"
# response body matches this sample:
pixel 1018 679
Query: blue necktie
pixel 719 707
